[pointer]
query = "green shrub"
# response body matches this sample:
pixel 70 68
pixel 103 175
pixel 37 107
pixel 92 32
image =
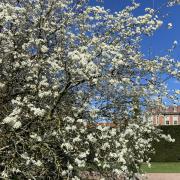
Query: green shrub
pixel 167 151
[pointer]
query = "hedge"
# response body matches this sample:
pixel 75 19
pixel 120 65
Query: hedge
pixel 165 151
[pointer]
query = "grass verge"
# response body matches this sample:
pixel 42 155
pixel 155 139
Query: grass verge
pixel 162 167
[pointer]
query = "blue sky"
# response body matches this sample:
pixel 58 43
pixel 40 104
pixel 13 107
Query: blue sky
pixel 163 38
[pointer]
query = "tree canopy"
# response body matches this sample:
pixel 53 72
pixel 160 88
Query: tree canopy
pixel 66 65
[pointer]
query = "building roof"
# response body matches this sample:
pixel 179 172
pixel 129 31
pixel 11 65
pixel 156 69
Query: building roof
pixel 171 110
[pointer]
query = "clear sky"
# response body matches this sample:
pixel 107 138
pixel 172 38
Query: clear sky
pixel 163 38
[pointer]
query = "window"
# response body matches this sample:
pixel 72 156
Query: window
pixel 156 120
pixel 175 120
pixel 175 109
pixel 166 120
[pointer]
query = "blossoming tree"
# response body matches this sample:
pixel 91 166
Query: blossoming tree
pixel 65 65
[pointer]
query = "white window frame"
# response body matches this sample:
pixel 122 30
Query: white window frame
pixel 166 118
pixel 157 120
pixel 175 119
pixel 175 109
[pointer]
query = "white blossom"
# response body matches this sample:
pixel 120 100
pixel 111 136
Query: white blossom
pixel 17 125
pixel 2 85
pixel 91 138
pixel 4 174
pixel 38 111
pixel 170 26
pixel 175 42
pixel 36 137
pixel 44 49
pixel 70 167
pixel 38 163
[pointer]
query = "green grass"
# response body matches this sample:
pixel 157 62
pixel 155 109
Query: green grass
pixel 162 167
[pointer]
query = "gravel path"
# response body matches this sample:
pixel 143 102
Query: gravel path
pixel 163 176
pixel 149 176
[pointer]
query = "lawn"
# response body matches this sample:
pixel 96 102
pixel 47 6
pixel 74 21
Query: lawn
pixel 162 167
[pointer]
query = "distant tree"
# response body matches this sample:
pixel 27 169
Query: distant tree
pixel 65 65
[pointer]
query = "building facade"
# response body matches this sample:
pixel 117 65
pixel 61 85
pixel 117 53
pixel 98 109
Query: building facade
pixel 168 116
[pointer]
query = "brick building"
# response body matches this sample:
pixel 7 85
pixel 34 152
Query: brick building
pixel 168 116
